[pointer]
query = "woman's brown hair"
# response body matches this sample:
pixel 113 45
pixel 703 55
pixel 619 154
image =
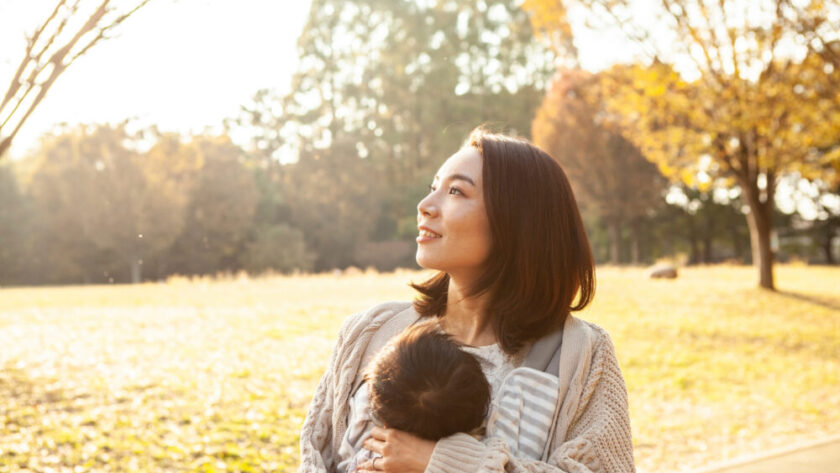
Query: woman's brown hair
pixel 540 257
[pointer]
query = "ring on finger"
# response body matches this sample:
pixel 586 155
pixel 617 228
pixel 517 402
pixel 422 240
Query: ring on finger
pixel 374 462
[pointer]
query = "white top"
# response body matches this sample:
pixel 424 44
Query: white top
pixel 495 364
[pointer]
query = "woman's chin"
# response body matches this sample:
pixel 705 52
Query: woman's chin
pixel 425 262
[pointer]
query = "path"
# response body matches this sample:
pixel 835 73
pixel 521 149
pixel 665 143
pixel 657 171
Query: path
pixel 823 457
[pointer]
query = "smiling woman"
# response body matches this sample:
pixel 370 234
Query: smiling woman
pixel 502 228
pixel 454 229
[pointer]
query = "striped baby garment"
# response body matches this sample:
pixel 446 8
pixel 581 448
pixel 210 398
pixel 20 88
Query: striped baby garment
pixel 523 411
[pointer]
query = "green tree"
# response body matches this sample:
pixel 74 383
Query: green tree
pixel 333 200
pixel 220 209
pixel 278 248
pixel 93 186
pixel 706 223
pixel 385 91
pixel 14 227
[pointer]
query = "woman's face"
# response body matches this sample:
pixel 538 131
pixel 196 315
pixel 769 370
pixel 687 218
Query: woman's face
pixel 454 232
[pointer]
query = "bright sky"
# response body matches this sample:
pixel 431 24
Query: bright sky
pixel 186 65
pixel 183 65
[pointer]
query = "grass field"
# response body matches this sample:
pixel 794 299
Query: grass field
pixel 216 375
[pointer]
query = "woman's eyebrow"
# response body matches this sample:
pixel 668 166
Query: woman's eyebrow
pixel 459 177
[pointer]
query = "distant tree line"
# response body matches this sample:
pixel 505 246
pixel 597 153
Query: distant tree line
pixel 330 173
pixel 97 204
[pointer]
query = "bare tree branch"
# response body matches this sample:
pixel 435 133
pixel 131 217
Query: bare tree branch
pixel 60 56
pixel 27 57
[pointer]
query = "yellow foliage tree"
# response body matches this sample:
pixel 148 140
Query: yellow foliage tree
pixel 739 89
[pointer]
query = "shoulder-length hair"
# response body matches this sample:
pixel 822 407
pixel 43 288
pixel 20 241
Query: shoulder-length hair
pixel 540 257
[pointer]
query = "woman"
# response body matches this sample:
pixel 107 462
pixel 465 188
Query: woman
pixel 501 226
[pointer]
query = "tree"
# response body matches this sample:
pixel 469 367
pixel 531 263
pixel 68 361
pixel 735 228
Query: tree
pixel 279 248
pixel 815 219
pixel 220 208
pixel 92 185
pixel 332 198
pixel 765 101
pixel 707 222
pixel 385 91
pixel 610 175
pixel 49 51
pixel 14 227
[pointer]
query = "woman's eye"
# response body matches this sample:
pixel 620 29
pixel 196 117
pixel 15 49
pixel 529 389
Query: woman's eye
pixel 452 190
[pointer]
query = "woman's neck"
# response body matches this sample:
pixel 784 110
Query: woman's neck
pixel 466 318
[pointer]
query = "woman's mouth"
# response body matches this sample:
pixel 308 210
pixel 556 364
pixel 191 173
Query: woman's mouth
pixel 427 235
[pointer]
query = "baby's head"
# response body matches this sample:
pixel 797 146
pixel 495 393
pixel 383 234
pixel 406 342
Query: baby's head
pixel 423 383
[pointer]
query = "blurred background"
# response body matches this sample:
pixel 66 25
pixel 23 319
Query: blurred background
pixel 195 137
pixel 239 161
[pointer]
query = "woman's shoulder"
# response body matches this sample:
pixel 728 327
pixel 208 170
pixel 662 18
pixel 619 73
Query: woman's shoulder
pixel 584 344
pixel 377 313
pixel 586 332
pixel 365 332
pixel 371 319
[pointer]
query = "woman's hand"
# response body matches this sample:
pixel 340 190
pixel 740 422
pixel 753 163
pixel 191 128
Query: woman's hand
pixel 401 452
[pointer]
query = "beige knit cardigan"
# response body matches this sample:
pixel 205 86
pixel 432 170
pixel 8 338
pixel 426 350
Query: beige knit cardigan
pixel 591 427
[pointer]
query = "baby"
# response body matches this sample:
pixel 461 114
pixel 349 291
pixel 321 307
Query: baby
pixel 424 384
pixel 421 383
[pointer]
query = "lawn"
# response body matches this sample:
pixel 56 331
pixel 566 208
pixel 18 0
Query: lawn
pixel 210 375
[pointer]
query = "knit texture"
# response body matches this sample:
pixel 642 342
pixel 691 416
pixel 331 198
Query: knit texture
pixel 591 429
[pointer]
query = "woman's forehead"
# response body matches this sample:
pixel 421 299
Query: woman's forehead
pixel 466 162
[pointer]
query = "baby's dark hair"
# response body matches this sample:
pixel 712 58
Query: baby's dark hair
pixel 423 383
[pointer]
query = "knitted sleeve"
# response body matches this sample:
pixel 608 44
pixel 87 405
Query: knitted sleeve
pixel 326 418
pixel 316 453
pixel 598 439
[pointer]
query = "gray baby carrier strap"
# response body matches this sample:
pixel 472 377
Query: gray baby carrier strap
pixel 545 353
pixel 545 356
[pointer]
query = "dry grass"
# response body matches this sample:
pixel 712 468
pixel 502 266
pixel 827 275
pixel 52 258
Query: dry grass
pixel 215 375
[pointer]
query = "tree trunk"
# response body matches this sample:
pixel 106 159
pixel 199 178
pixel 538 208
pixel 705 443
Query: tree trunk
pixel 635 242
pixel 615 240
pixel 694 256
pixel 707 249
pixel 761 226
pixel 136 270
pixel 737 249
pixel 829 237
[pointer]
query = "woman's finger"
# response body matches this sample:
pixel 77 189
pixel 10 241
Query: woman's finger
pixel 374 445
pixel 365 466
pixel 378 433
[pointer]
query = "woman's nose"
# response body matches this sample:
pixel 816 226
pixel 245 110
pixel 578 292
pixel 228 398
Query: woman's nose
pixel 426 207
